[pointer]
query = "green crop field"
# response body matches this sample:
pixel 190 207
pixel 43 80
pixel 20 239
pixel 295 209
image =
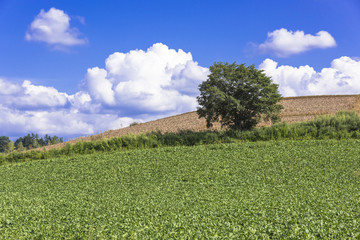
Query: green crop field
pixel 284 189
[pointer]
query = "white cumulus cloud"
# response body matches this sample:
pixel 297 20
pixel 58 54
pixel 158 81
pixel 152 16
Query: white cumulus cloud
pixel 8 88
pixel 342 77
pixel 36 96
pixel 27 107
pixel 134 86
pixel 53 27
pixel 283 43
pixel 15 123
pixel 99 86
pixel 143 85
pixel 156 80
pixel 30 96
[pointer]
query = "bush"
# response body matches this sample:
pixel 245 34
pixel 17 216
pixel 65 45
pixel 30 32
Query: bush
pixel 133 124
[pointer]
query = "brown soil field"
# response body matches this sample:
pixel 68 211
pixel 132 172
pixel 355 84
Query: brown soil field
pixel 296 109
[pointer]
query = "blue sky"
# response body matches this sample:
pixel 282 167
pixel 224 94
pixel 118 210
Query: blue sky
pixel 54 79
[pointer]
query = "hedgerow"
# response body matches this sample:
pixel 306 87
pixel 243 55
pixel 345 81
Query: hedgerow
pixel 343 125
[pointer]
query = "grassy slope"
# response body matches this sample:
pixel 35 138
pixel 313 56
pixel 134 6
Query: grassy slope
pixel 265 189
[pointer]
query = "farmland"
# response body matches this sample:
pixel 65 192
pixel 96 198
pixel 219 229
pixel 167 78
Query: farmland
pixel 275 189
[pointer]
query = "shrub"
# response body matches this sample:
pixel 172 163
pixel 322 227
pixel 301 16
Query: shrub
pixel 133 124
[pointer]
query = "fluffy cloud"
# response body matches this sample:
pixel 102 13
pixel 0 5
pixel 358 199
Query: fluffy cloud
pixel 53 27
pixel 26 108
pixel 8 88
pixel 343 77
pixel 29 96
pixel 145 85
pixel 65 122
pixel 156 80
pixel 99 86
pixel 284 43
pixel 39 96
pixel 134 86
pixel 15 123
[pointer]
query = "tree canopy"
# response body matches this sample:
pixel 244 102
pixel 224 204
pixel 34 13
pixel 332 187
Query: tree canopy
pixel 33 141
pixel 238 96
pixel 4 141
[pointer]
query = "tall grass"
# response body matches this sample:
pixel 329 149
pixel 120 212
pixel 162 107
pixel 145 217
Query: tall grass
pixel 343 125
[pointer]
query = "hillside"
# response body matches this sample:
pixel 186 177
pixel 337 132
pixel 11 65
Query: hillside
pixel 296 109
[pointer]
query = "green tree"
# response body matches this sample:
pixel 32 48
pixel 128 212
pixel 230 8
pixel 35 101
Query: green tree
pixel 10 147
pixel 4 141
pixel 55 139
pixel 35 143
pixel 20 147
pixel 238 96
